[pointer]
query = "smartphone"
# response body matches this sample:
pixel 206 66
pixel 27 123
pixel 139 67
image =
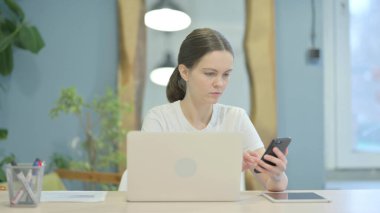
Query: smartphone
pixel 281 143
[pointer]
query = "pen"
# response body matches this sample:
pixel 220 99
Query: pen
pixel 21 191
pixel 26 185
pixel 36 163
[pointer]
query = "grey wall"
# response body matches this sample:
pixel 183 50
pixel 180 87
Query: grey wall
pixel 81 51
pixel 300 93
pixel 229 20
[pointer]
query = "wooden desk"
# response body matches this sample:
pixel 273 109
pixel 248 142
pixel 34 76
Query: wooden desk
pixel 343 201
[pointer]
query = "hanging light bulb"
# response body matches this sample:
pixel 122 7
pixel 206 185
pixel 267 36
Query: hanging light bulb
pixel 166 16
pixel 162 73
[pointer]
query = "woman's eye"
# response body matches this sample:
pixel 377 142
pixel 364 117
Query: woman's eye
pixel 209 73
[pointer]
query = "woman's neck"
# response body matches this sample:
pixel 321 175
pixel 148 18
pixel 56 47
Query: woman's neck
pixel 198 115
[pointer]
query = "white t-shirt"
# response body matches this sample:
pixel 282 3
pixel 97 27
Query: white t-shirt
pixel 169 118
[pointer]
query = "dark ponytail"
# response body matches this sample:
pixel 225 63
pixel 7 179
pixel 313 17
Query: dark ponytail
pixel 197 44
pixel 176 89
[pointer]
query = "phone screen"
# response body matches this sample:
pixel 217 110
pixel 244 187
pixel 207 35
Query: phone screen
pixel 294 197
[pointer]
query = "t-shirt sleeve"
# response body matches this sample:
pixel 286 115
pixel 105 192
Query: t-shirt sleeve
pixel 252 140
pixel 152 122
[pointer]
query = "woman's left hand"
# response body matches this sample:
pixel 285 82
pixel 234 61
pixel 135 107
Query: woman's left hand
pixel 280 162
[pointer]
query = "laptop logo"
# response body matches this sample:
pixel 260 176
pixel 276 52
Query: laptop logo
pixel 185 167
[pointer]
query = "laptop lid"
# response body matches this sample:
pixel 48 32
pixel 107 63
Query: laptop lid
pixel 183 166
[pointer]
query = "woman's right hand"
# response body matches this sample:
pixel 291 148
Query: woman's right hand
pixel 250 159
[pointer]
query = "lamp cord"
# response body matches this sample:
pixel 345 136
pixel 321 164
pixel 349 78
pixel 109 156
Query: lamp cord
pixel 312 33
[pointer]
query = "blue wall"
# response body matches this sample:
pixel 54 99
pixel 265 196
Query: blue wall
pixel 81 51
pixel 300 92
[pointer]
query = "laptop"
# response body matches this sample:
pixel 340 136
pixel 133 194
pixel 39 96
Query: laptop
pixel 184 166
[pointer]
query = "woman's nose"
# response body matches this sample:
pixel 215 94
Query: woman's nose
pixel 218 82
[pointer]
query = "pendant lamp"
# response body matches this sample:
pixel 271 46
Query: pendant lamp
pixel 165 15
pixel 162 73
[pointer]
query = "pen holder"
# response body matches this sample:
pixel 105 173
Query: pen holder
pixel 24 184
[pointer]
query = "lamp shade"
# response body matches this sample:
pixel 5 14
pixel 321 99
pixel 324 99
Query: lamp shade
pixel 162 73
pixel 166 16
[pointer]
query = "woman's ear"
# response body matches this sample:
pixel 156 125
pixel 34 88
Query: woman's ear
pixel 183 71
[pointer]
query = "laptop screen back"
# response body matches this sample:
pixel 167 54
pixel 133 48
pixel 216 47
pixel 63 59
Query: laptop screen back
pixel 183 166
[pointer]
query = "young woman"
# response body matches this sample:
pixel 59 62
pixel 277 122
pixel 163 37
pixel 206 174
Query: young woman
pixel 205 63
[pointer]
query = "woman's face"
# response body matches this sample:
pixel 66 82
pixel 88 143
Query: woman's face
pixel 208 78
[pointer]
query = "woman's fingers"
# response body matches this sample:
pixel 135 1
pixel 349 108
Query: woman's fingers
pixel 280 163
pixel 279 154
pixel 286 151
pixel 250 160
pixel 248 157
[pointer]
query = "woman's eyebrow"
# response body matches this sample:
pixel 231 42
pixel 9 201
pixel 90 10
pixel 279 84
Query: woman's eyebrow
pixel 210 69
pixel 215 70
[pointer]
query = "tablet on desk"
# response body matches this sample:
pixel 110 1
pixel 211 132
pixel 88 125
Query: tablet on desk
pixel 294 197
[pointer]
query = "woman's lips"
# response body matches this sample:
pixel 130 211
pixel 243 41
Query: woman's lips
pixel 215 93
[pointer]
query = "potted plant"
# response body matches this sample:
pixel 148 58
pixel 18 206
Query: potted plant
pixel 3 134
pixel 6 159
pixel 14 32
pixel 101 123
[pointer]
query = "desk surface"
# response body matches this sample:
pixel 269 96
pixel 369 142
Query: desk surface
pixel 345 201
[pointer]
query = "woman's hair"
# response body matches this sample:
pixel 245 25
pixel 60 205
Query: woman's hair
pixel 197 44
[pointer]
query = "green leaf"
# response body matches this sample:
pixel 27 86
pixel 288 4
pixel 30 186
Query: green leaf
pixel 3 178
pixel 7 159
pixel 3 134
pixel 7 39
pixel 60 161
pixel 68 102
pixel 8 33
pixel 7 26
pixel 16 9
pixel 29 38
pixel 6 61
